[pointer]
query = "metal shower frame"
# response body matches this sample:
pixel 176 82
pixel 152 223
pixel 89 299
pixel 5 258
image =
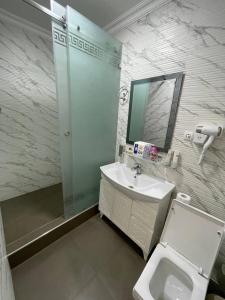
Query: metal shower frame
pixel 43 9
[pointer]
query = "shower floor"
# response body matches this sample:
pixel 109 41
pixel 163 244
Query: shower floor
pixel 94 261
pixel 28 216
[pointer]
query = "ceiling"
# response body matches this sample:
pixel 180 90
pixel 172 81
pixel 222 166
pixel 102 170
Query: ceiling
pixel 101 12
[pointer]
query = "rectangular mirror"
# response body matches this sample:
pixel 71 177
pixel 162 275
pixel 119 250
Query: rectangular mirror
pixel 153 108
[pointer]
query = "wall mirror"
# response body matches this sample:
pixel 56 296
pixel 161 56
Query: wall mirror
pixel 153 108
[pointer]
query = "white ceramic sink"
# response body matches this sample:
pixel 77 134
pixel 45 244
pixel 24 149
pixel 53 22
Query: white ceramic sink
pixel 141 186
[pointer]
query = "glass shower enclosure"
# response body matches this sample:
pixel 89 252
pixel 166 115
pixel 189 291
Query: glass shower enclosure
pixel 87 64
pixel 87 69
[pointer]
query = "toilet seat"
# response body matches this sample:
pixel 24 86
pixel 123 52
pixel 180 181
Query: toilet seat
pixel 181 264
pixel 142 290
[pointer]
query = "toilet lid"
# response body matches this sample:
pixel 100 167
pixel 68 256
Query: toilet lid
pixel 194 234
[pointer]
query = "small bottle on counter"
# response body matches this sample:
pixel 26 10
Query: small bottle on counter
pixel 142 149
pixel 154 153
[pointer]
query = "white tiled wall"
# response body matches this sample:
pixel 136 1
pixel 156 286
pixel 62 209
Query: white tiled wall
pixel 186 36
pixel 29 141
pixel 157 112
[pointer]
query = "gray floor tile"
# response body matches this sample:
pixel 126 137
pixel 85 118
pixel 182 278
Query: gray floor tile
pixel 26 213
pixel 91 262
pixel 57 272
pixel 98 241
pixel 121 273
pixel 95 290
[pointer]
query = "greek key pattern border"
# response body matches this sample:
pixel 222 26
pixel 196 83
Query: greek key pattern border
pixel 80 43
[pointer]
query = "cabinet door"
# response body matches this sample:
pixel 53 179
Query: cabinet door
pixel 142 222
pixel 140 233
pixel 146 212
pixel 107 195
pixel 121 211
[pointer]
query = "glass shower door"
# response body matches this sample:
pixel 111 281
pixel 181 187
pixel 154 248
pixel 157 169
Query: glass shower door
pixel 93 73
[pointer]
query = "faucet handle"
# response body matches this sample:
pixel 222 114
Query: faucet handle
pixel 137 166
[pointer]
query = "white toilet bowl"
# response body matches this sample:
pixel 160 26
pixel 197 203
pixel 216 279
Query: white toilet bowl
pixel 169 276
pixel 180 266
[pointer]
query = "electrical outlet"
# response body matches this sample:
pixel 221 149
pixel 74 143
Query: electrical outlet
pixel 199 138
pixel 188 135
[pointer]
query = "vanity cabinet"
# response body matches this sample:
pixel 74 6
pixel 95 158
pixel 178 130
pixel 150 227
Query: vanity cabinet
pixel 142 221
pixel 121 209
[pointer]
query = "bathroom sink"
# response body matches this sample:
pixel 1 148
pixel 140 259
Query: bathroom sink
pixel 141 187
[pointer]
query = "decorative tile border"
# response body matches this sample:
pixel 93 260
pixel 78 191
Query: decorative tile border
pixel 59 36
pixel 82 44
pixel 85 46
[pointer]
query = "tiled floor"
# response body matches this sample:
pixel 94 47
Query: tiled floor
pixel 92 262
pixel 25 216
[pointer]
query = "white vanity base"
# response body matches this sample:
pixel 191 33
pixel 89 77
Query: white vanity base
pixel 140 220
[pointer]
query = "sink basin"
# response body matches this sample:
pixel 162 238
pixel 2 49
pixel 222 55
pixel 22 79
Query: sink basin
pixel 141 187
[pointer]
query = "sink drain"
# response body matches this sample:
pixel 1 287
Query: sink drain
pixel 130 186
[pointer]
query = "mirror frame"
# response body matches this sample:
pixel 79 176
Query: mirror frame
pixel 174 105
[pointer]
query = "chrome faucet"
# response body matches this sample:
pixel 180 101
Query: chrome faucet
pixel 138 168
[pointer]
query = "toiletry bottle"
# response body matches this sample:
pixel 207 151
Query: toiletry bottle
pixel 135 148
pixel 154 153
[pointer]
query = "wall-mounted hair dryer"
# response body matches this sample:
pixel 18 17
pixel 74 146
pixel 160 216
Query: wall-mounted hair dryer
pixel 212 131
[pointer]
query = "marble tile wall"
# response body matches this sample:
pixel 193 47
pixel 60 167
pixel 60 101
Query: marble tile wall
pixel 6 285
pixel 29 140
pixel 186 36
pixel 157 113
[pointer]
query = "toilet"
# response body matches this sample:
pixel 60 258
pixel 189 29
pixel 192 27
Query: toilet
pixel 181 264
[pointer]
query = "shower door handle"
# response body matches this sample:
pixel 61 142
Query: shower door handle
pixel 67 133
